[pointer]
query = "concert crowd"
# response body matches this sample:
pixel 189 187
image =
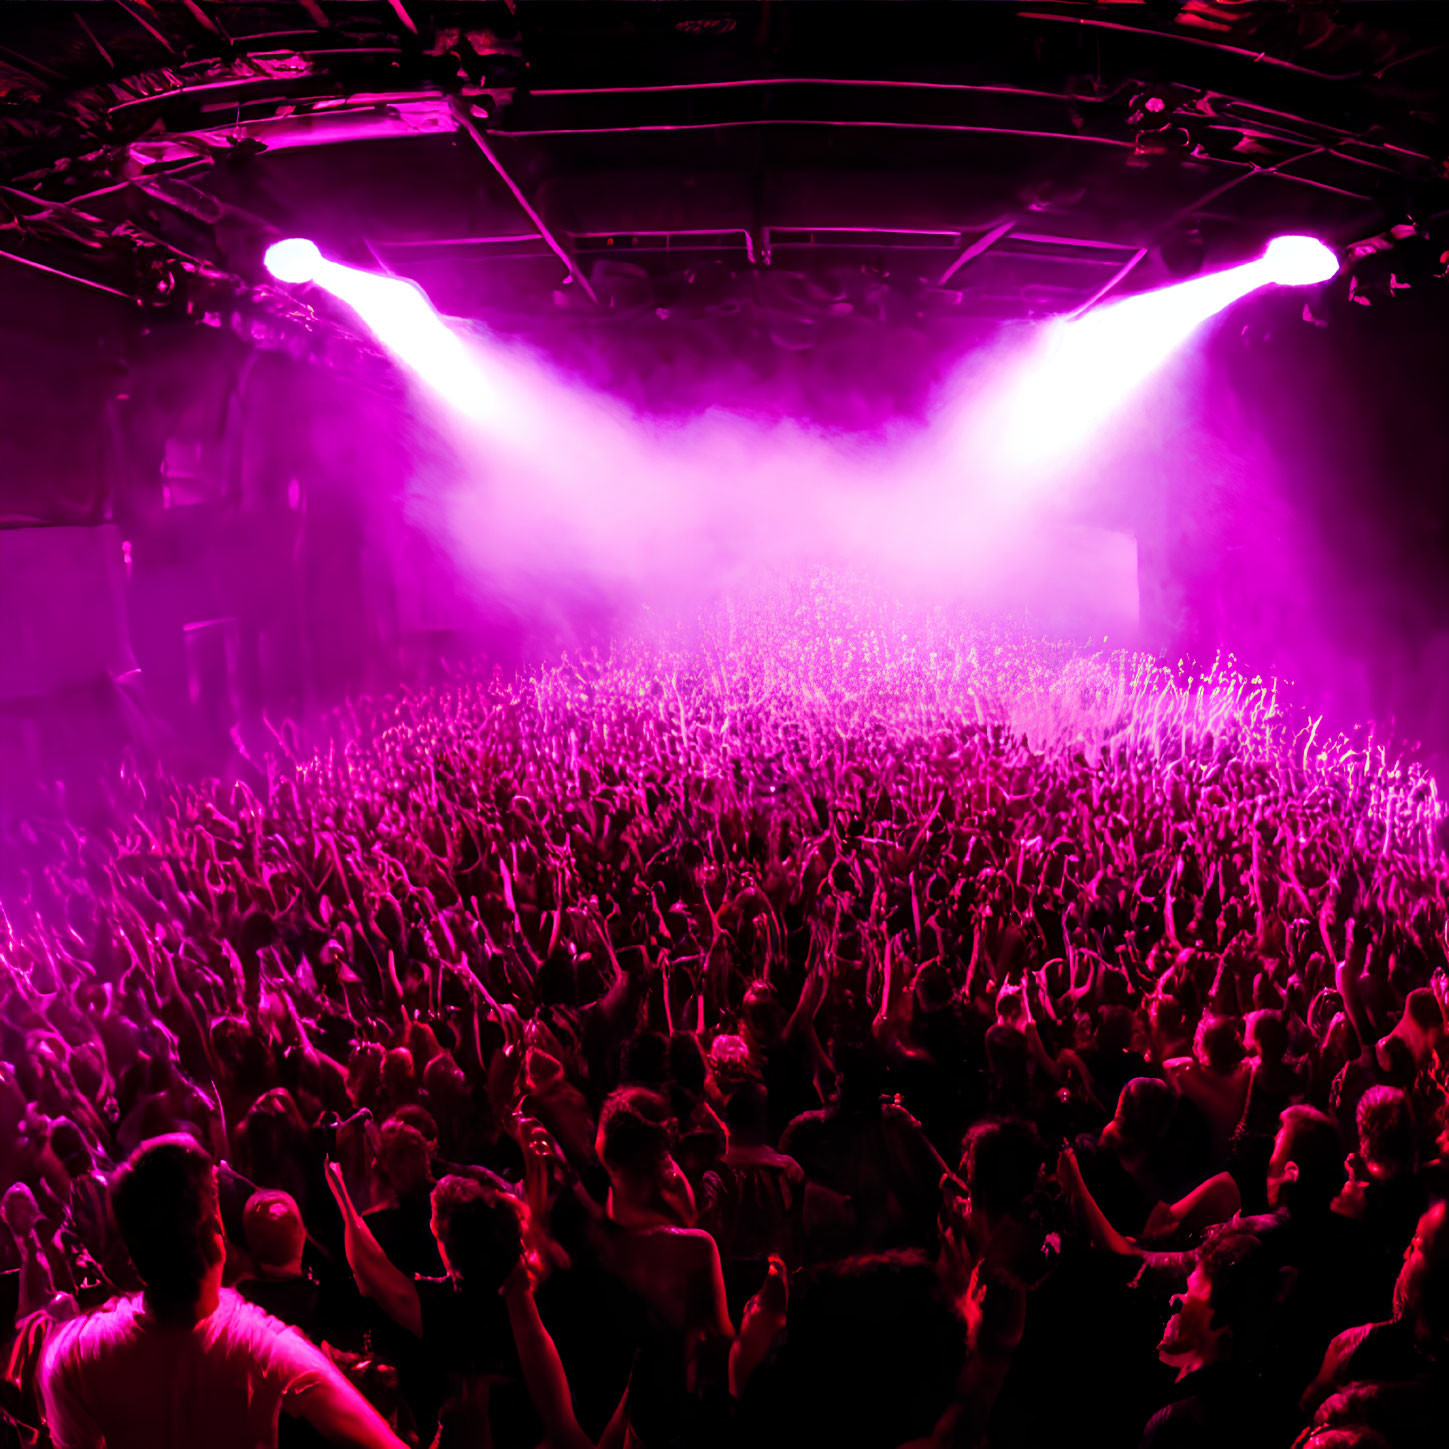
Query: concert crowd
pixel 594 1060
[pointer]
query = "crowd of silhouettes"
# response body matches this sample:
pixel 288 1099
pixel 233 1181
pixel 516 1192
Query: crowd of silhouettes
pixel 508 1070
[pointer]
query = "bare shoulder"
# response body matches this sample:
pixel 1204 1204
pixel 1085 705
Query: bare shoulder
pixel 1344 1344
pixel 689 1245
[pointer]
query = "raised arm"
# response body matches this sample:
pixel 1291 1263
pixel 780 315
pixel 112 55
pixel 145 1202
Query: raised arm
pixel 22 1217
pixel 761 1324
pixel 340 1414
pixel 812 994
pixel 377 1277
pixel 543 1370
pixel 1347 972
pixel 1099 1230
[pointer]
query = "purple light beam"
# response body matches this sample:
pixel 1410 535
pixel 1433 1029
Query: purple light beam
pixel 1086 369
pixel 401 318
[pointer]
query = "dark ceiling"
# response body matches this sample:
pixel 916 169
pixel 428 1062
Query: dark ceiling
pixel 519 157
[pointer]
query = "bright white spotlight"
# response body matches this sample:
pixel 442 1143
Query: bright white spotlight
pixel 1084 370
pixel 400 316
pixel 1299 261
pixel 295 260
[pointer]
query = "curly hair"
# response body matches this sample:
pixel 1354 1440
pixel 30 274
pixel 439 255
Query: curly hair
pixel 480 1230
pixel 1386 1134
pixel 634 1131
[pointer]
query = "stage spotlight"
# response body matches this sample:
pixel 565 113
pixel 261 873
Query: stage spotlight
pixel 295 260
pixel 399 315
pixel 1299 261
pixel 1086 368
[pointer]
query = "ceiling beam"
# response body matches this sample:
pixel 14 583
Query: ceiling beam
pixel 400 11
pixel 69 276
pixel 466 120
pixel 33 66
pixel 1111 284
pixel 205 21
pixel 91 35
pixel 146 26
pixel 974 250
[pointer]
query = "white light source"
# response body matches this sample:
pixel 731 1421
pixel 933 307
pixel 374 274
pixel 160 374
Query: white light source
pixel 295 260
pixel 1299 261
pixel 399 315
pixel 1085 369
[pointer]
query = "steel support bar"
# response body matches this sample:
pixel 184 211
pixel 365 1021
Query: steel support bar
pixel 970 253
pixel 25 261
pixel 467 122
pixel 1112 282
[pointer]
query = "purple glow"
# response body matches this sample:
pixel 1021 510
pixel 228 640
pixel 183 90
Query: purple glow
pixel 1082 372
pixel 400 317
pixel 1088 367
pixel 547 479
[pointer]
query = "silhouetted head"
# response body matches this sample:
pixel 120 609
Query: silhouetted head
pixel 272 1223
pixel 1306 1171
pixel 1000 1162
pixel 1387 1140
pixel 479 1232
pixel 1218 1043
pixel 165 1205
pixel 1227 1305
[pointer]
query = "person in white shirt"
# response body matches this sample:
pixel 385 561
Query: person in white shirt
pixel 186 1362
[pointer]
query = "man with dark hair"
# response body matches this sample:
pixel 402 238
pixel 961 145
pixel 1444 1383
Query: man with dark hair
pixel 634 1146
pixel 1316 1253
pixel 185 1362
pixel 756 1203
pixel 1385 1192
pixel 1306 1171
pixel 477 1326
pixel 1000 1161
pixel 993 1255
pixel 871 1154
pixel 279 1283
pixel 1319 1254
pixel 1393 1376
pixel 1216 1337
pixel 479 1235
pixel 401 1225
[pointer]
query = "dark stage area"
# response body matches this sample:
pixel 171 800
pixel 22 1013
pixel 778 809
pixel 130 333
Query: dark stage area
pixel 724 724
